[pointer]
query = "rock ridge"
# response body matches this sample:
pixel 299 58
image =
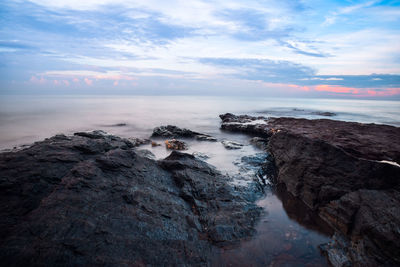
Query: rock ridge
pixel 336 169
pixel 91 199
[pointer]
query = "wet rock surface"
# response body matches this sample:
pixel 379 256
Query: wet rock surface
pixel 231 144
pixel 335 169
pixel 171 131
pixel 92 199
pixel 174 144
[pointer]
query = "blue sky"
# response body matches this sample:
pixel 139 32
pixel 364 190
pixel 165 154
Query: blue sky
pixel 272 48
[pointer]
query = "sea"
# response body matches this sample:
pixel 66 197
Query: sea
pixel 287 233
pixel 26 119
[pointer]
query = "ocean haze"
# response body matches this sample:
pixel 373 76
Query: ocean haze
pixel 25 119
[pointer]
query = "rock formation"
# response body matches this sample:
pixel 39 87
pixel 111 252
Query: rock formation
pixel 347 172
pixel 91 199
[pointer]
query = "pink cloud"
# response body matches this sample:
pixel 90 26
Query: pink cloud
pixel 75 80
pixel 115 83
pixel 336 89
pixel 34 79
pixel 302 88
pixel 56 82
pixel 88 81
pixel 66 82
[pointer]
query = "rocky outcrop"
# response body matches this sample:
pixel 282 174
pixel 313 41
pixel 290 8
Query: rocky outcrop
pixel 336 169
pixel 174 144
pixel 231 144
pixel 91 199
pixel 171 131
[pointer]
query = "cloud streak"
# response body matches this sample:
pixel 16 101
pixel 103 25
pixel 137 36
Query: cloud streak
pixel 146 45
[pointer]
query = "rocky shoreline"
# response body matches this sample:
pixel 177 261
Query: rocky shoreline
pixel 95 199
pixel 92 199
pixel 347 172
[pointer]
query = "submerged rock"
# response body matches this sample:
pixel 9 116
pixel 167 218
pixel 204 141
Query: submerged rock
pixel 336 169
pixel 176 132
pixel 92 199
pixel 324 113
pixel 231 144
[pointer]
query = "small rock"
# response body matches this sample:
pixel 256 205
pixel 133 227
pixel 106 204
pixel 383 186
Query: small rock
pixel 153 144
pixel 176 132
pixel 202 137
pixel 97 134
pixel 174 144
pixel 231 145
pixel 326 114
pixel 138 141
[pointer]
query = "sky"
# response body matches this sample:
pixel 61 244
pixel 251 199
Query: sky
pixel 338 49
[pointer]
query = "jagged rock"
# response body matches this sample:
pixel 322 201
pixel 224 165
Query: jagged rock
pixel 231 144
pixel 338 169
pixel 171 131
pixel 92 199
pixel 209 195
pixel 175 144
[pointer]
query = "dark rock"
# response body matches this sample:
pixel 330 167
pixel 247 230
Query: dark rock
pixel 203 137
pixel 231 144
pixel 326 114
pixel 244 123
pixel 337 169
pixel 175 144
pixel 224 214
pixel 171 131
pixel 92 135
pixel 138 141
pixel 63 206
pixel 146 153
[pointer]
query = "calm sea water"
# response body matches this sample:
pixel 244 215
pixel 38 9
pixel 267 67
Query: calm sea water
pixel 25 119
pixel 287 233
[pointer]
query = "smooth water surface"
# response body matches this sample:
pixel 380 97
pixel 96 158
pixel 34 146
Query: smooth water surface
pixel 25 119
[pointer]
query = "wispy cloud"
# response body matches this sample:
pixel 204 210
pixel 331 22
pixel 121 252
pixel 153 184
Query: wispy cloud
pixel 162 45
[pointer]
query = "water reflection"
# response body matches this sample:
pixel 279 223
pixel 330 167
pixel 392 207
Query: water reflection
pixel 298 211
pixel 280 240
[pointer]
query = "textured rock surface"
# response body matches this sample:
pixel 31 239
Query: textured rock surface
pixel 174 144
pixel 171 131
pixel 231 144
pixel 334 168
pixel 91 199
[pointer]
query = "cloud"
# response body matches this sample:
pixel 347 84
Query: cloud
pixel 336 89
pixel 199 44
pixel 263 69
pixel 331 19
pixel 254 25
pixel 88 81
